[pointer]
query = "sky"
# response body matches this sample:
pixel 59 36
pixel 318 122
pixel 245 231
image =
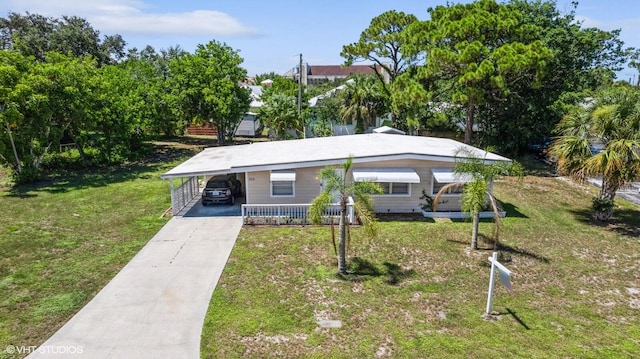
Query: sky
pixel 271 35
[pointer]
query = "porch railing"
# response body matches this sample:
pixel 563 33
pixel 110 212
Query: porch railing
pixel 183 194
pixel 277 214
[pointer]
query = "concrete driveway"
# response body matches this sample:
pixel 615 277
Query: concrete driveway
pixel 155 306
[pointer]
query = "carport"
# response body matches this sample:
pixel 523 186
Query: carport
pixel 186 190
pixel 183 191
pixel 187 179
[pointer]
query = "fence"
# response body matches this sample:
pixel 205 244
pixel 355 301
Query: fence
pixel 277 214
pixel 183 194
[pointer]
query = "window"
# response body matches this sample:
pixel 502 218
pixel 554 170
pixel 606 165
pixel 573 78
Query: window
pixel 444 176
pixel 283 183
pixel 437 186
pixel 394 188
pixel 282 188
pixel 394 181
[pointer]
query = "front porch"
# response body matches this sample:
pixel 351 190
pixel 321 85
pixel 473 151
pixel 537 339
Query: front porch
pixel 279 214
pixel 186 193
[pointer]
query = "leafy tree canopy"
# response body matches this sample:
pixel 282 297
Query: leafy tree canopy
pixel 474 50
pixel 382 43
pixel 208 87
pixel 35 35
pixel 584 59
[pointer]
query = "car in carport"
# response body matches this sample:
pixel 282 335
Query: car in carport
pixel 220 189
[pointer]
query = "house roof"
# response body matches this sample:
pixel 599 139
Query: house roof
pixel 321 151
pixel 314 100
pixel 338 70
pixel 256 92
pixel 389 130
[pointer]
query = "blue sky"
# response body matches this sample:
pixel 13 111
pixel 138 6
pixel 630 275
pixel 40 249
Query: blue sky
pixel 271 34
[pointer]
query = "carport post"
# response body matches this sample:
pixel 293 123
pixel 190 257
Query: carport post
pixel 182 190
pixel 173 201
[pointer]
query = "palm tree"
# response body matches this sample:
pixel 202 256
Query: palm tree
pixel 477 193
pixel 611 121
pixel 336 183
pixel 363 102
pixel 279 113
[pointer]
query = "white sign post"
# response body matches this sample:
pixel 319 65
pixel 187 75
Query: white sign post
pixel 505 278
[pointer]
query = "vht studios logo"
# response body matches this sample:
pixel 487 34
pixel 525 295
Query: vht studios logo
pixel 45 349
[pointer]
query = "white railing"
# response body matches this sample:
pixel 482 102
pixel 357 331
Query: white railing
pixel 183 194
pixel 277 214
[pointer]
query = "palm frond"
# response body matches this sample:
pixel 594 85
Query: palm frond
pixel 497 220
pixel 446 188
pixel 319 205
pixel 571 152
pixel 367 218
pixel 474 196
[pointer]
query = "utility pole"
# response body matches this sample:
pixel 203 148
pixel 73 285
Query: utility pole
pixel 304 127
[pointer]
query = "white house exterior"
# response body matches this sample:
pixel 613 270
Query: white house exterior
pixel 286 172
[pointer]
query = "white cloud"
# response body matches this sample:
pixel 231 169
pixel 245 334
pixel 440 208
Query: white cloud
pixel 630 28
pixel 629 24
pixel 199 22
pixel 132 17
pixel 589 22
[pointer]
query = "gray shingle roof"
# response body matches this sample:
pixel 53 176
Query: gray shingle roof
pixel 321 151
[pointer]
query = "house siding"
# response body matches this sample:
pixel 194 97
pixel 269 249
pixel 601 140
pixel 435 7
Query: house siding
pixel 307 187
pixel 411 203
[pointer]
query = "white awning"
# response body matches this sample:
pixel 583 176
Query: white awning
pixel 447 175
pixel 289 176
pixel 395 175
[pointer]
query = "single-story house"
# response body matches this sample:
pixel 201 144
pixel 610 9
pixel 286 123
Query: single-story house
pixel 285 173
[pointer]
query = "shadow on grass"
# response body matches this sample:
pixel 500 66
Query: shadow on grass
pixel 535 165
pixel 624 221
pixel 515 316
pixel 512 211
pixel 361 269
pixel 65 177
pixel 522 252
pixel 506 250
pixel 69 181
pixel 458 241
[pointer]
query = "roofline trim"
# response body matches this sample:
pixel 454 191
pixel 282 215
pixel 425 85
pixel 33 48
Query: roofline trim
pixel 318 163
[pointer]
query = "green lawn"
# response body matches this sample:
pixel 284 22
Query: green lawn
pixel 418 291
pixel 64 238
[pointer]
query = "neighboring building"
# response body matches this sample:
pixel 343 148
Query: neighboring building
pixel 248 126
pixel 287 172
pixel 316 74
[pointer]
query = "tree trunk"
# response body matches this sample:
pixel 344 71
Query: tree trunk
pixel 607 193
pixel 15 151
pixel 78 141
pixel 468 130
pixel 474 230
pixel 342 255
pixel 221 138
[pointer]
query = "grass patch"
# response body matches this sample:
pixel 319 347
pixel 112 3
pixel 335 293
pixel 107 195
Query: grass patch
pixel 419 291
pixel 66 237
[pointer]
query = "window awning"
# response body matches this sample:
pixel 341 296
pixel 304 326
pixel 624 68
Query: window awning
pixel 396 175
pixel 289 176
pixel 448 175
